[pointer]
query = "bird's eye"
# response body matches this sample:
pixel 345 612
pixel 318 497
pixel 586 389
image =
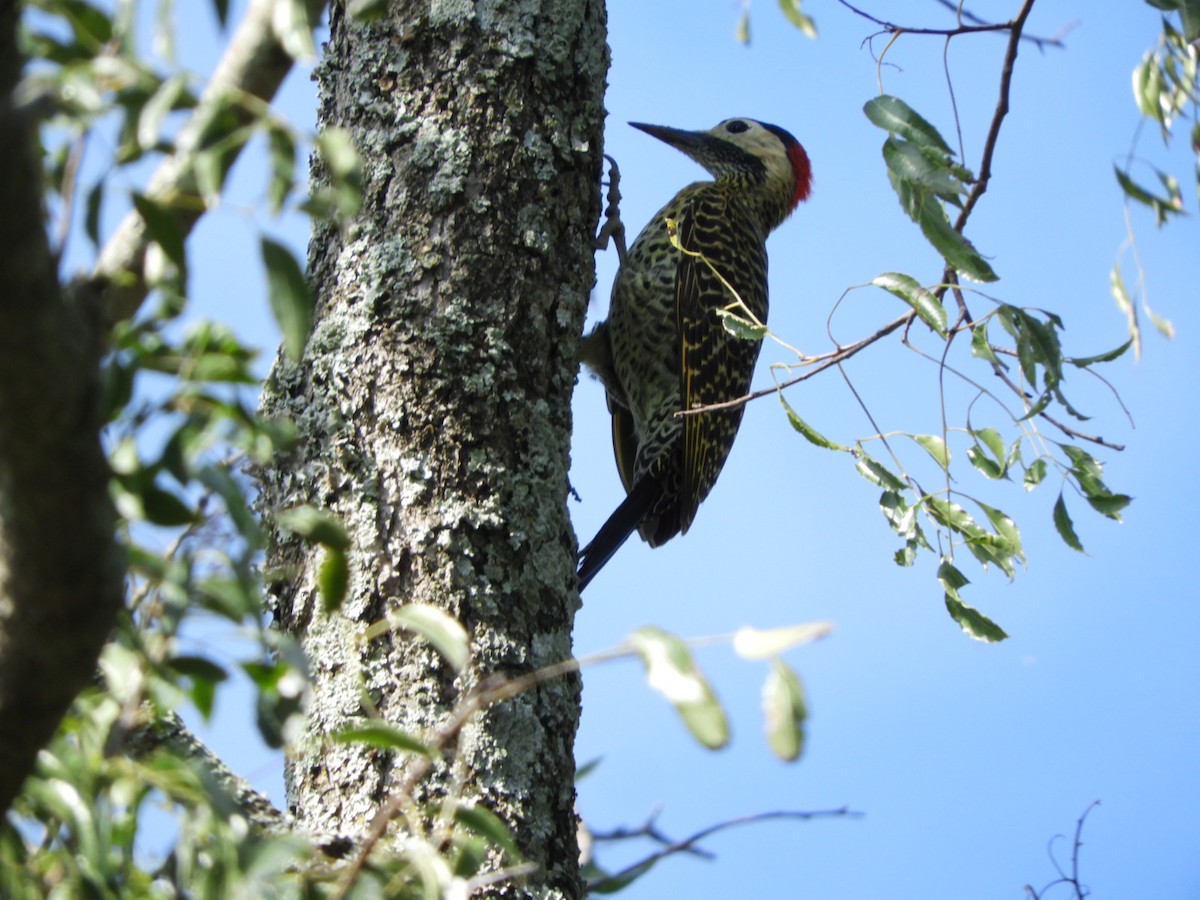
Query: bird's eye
pixel 737 126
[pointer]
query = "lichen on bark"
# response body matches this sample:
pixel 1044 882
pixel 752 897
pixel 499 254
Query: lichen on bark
pixel 433 403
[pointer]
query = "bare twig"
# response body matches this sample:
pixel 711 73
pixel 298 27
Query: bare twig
pixel 1063 878
pixel 819 364
pixel 687 845
pixel 978 26
pixel 67 190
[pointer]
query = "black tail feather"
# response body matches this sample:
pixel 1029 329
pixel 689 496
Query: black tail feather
pixel 620 525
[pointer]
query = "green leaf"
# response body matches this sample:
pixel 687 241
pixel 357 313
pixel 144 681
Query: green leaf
pixel 952 516
pixel 1084 361
pixel 935 447
pixel 1035 474
pixel 315 525
pixel 991 438
pixel 293 29
pixel 291 300
pixel 901 516
pixel 485 823
pixel 198 667
pixel 672 672
pixel 1109 504
pixel 333 579
pixel 894 115
pixel 791 9
pixel 981 348
pixel 1163 207
pixel 926 171
pixel 741 32
pixel 282 146
pixel 973 622
pixel 784 711
pixel 583 771
pixel 908 289
pixel 877 473
pixel 810 434
pixel 985 464
pixel 438 627
pixel 754 643
pixel 1125 304
pixel 1066 529
pixel 164 508
pixel 1006 529
pixel 162 228
pixel 367 10
pixel 337 149
pixel 959 253
pixel 383 736
pixel 906 555
pixel 171 94
pixel 741 328
pixel 92 209
pixel 969 619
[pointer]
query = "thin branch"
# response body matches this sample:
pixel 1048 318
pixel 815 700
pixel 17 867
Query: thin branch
pixel 978 26
pixel 819 364
pixel 687 844
pixel 1065 429
pixel 168 733
pixel 253 67
pixel 68 190
pixel 989 146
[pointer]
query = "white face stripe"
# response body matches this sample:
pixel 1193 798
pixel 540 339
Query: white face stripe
pixel 761 143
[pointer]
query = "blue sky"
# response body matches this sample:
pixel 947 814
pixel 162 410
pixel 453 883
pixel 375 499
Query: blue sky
pixel 965 759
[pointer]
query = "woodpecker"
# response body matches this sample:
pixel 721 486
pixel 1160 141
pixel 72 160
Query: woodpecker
pixel 664 348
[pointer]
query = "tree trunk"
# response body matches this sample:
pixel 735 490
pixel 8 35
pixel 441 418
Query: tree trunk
pixel 433 404
pixel 60 569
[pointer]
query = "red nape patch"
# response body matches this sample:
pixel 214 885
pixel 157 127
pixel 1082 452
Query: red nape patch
pixel 802 170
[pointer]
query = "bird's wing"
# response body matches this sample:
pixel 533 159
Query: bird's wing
pixel 714 366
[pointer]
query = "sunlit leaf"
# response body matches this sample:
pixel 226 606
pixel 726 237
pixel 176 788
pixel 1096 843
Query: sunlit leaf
pixel 810 434
pixel 741 328
pixel 383 736
pixel 784 711
pixel 314 524
pixel 894 115
pixel 877 473
pixel 755 643
pixel 935 447
pixel 438 627
pixel 908 289
pixel 791 9
pixel 671 670
pixel 969 619
pixel 333 579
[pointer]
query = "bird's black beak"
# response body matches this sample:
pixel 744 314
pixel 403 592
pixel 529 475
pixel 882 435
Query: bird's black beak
pixel 688 142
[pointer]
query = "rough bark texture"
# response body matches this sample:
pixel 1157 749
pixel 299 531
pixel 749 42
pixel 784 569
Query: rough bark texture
pixel 60 571
pixel 433 400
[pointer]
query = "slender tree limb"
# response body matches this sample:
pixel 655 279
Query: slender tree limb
pixel 818 364
pixel 168 732
pixel 247 77
pixel 1017 26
